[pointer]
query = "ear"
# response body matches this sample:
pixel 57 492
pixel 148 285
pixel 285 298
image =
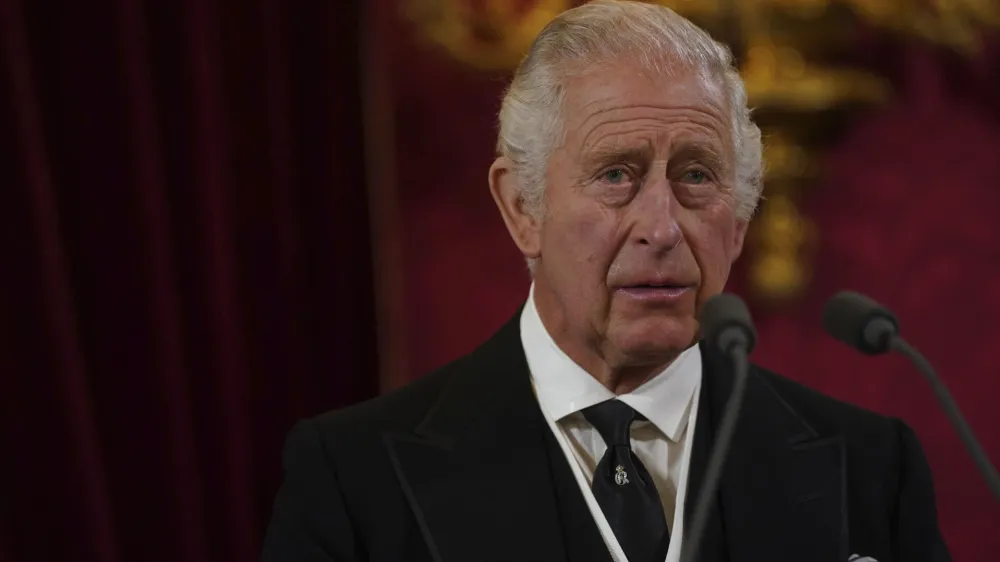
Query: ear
pixel 739 236
pixel 525 229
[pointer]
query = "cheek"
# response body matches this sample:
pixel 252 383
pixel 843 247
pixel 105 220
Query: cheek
pixel 583 236
pixel 574 251
pixel 713 244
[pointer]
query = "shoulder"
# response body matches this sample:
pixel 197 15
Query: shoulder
pixel 398 410
pixel 403 409
pixel 320 440
pixel 829 416
pixel 888 478
pixel 878 448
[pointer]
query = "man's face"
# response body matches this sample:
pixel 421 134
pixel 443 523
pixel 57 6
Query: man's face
pixel 639 229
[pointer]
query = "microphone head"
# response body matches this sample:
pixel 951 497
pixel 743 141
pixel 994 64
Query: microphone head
pixel 860 322
pixel 725 322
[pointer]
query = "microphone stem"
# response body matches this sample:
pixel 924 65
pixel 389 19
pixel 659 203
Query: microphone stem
pixel 727 427
pixel 952 411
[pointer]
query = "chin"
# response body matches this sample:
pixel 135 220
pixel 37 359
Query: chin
pixel 653 342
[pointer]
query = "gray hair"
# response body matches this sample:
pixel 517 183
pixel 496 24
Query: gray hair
pixel 531 123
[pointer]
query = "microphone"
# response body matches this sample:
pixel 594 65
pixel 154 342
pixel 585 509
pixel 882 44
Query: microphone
pixel 728 329
pixel 872 329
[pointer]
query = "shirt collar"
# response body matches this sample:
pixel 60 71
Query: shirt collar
pixel 564 388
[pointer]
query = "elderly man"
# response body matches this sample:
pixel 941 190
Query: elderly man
pixel 628 168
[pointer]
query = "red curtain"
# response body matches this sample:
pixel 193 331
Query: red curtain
pixel 908 212
pixel 186 267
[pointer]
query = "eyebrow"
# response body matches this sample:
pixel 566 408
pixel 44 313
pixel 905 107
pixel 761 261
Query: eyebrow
pixel 611 154
pixel 700 151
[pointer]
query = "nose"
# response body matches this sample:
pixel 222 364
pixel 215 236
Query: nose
pixel 655 217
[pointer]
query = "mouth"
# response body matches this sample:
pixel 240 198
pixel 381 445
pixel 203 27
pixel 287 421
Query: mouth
pixel 655 292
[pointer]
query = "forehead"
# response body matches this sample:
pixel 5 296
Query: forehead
pixel 624 99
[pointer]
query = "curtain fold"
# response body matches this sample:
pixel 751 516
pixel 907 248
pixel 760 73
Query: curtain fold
pixel 187 267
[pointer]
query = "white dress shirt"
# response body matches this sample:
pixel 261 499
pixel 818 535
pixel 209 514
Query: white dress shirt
pixel 669 401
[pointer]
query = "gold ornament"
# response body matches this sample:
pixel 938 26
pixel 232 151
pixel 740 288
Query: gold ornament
pixel 494 38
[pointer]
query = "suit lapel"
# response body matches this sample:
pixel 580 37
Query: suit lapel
pixel 477 471
pixel 713 540
pixel 581 536
pixel 782 492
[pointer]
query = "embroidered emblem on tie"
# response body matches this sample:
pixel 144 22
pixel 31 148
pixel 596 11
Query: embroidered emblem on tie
pixel 621 477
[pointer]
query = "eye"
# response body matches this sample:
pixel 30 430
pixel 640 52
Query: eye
pixel 615 176
pixel 695 177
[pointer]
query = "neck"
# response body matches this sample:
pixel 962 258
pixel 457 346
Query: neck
pixel 623 380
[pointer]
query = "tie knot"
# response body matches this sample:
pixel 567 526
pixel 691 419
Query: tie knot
pixel 613 420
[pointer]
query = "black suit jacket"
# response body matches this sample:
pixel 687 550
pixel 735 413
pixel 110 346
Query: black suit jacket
pixel 460 466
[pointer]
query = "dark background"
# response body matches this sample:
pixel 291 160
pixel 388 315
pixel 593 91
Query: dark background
pixel 186 267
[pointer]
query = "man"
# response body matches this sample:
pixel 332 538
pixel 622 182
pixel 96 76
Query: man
pixel 628 170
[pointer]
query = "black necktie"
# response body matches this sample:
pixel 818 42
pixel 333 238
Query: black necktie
pixel 624 489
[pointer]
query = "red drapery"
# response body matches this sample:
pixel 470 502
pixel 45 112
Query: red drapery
pixel 186 267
